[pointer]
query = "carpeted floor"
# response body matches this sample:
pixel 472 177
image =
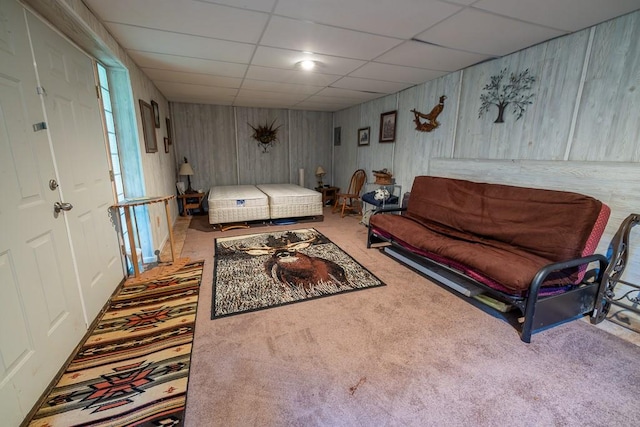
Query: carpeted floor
pixel 407 354
pixel 134 366
pixel 265 270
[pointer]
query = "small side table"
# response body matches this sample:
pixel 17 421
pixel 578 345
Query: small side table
pixel 127 205
pixel 329 194
pixel 190 201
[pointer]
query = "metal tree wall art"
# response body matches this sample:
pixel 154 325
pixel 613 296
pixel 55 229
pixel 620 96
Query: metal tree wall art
pixel 511 92
pixel 266 135
pixel 430 122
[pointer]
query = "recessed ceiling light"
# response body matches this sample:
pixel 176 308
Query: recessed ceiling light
pixel 307 65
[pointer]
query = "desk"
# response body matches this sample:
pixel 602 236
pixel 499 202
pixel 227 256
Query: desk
pixel 190 201
pixel 329 194
pixel 129 204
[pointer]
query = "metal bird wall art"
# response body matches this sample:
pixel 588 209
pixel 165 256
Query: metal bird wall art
pixel 430 120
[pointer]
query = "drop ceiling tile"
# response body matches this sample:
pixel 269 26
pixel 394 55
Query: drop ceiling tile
pixel 179 44
pixel 192 78
pixel 163 61
pixel 368 85
pixel 424 55
pixel 318 106
pixel 286 58
pixel 396 73
pixel 334 100
pixel 170 89
pixel 185 16
pixel 260 5
pixel 398 18
pixel 309 37
pixel 203 100
pixel 353 96
pixel 262 103
pixel 567 15
pixel 271 95
pixel 279 87
pixel 473 30
pixel 290 76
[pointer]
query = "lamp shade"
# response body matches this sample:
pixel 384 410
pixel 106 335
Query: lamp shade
pixel 320 171
pixel 185 169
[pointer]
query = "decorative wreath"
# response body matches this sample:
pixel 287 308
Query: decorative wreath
pixel 266 135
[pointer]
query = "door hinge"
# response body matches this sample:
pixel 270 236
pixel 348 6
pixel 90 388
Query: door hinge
pixel 40 90
pixel 98 91
pixel 112 176
pixel 39 126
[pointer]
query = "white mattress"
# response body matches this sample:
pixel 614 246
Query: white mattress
pixel 237 203
pixel 292 201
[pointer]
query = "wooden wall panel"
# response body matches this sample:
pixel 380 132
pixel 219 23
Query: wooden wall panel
pixel 608 125
pixel 345 155
pixel 254 165
pixel 414 148
pixel 217 141
pixel 614 183
pixel 205 135
pixel 376 155
pixel 310 145
pixel 543 130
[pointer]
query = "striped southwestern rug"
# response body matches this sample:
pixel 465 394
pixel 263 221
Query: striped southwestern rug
pixel 133 367
pixel 258 271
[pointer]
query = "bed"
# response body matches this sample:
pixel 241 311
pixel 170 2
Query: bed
pixel 237 203
pixel 292 201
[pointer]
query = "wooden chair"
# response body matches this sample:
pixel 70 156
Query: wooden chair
pixel 350 201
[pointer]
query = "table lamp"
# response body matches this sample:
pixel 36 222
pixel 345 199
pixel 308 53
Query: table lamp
pixel 186 169
pixel 320 173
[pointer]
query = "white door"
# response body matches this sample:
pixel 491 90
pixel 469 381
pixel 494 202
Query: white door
pixel 75 125
pixel 41 317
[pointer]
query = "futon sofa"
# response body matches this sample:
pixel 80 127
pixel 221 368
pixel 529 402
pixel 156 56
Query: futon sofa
pixel 523 248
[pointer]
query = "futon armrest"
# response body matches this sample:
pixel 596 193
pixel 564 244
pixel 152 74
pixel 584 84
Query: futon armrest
pixel 542 274
pixel 387 210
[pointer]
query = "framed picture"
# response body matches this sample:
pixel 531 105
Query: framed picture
pixel 337 134
pixel 156 113
pixel 363 136
pixel 169 134
pixel 388 126
pixel 148 127
pixel 166 145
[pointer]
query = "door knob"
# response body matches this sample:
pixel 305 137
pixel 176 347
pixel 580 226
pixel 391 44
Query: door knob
pixel 59 206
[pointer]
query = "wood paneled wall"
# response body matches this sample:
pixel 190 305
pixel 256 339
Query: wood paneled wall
pixel 581 133
pixel 217 142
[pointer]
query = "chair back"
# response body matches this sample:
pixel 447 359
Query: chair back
pixel 358 179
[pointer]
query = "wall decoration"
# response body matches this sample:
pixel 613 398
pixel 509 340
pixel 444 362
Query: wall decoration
pixel 266 135
pixel 156 113
pixel 430 122
pixel 337 135
pixel 388 126
pixel 166 145
pixel 148 127
pixel 169 133
pixel 363 136
pixel 501 94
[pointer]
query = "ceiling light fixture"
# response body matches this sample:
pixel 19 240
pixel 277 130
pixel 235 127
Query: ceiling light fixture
pixel 306 65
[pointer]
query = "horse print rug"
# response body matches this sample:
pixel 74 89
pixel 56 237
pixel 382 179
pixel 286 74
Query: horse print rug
pixel 258 271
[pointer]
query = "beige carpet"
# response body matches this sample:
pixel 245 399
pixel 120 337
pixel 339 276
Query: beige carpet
pixel 409 354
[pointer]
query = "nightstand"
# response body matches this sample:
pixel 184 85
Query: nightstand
pixel 190 201
pixel 328 194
